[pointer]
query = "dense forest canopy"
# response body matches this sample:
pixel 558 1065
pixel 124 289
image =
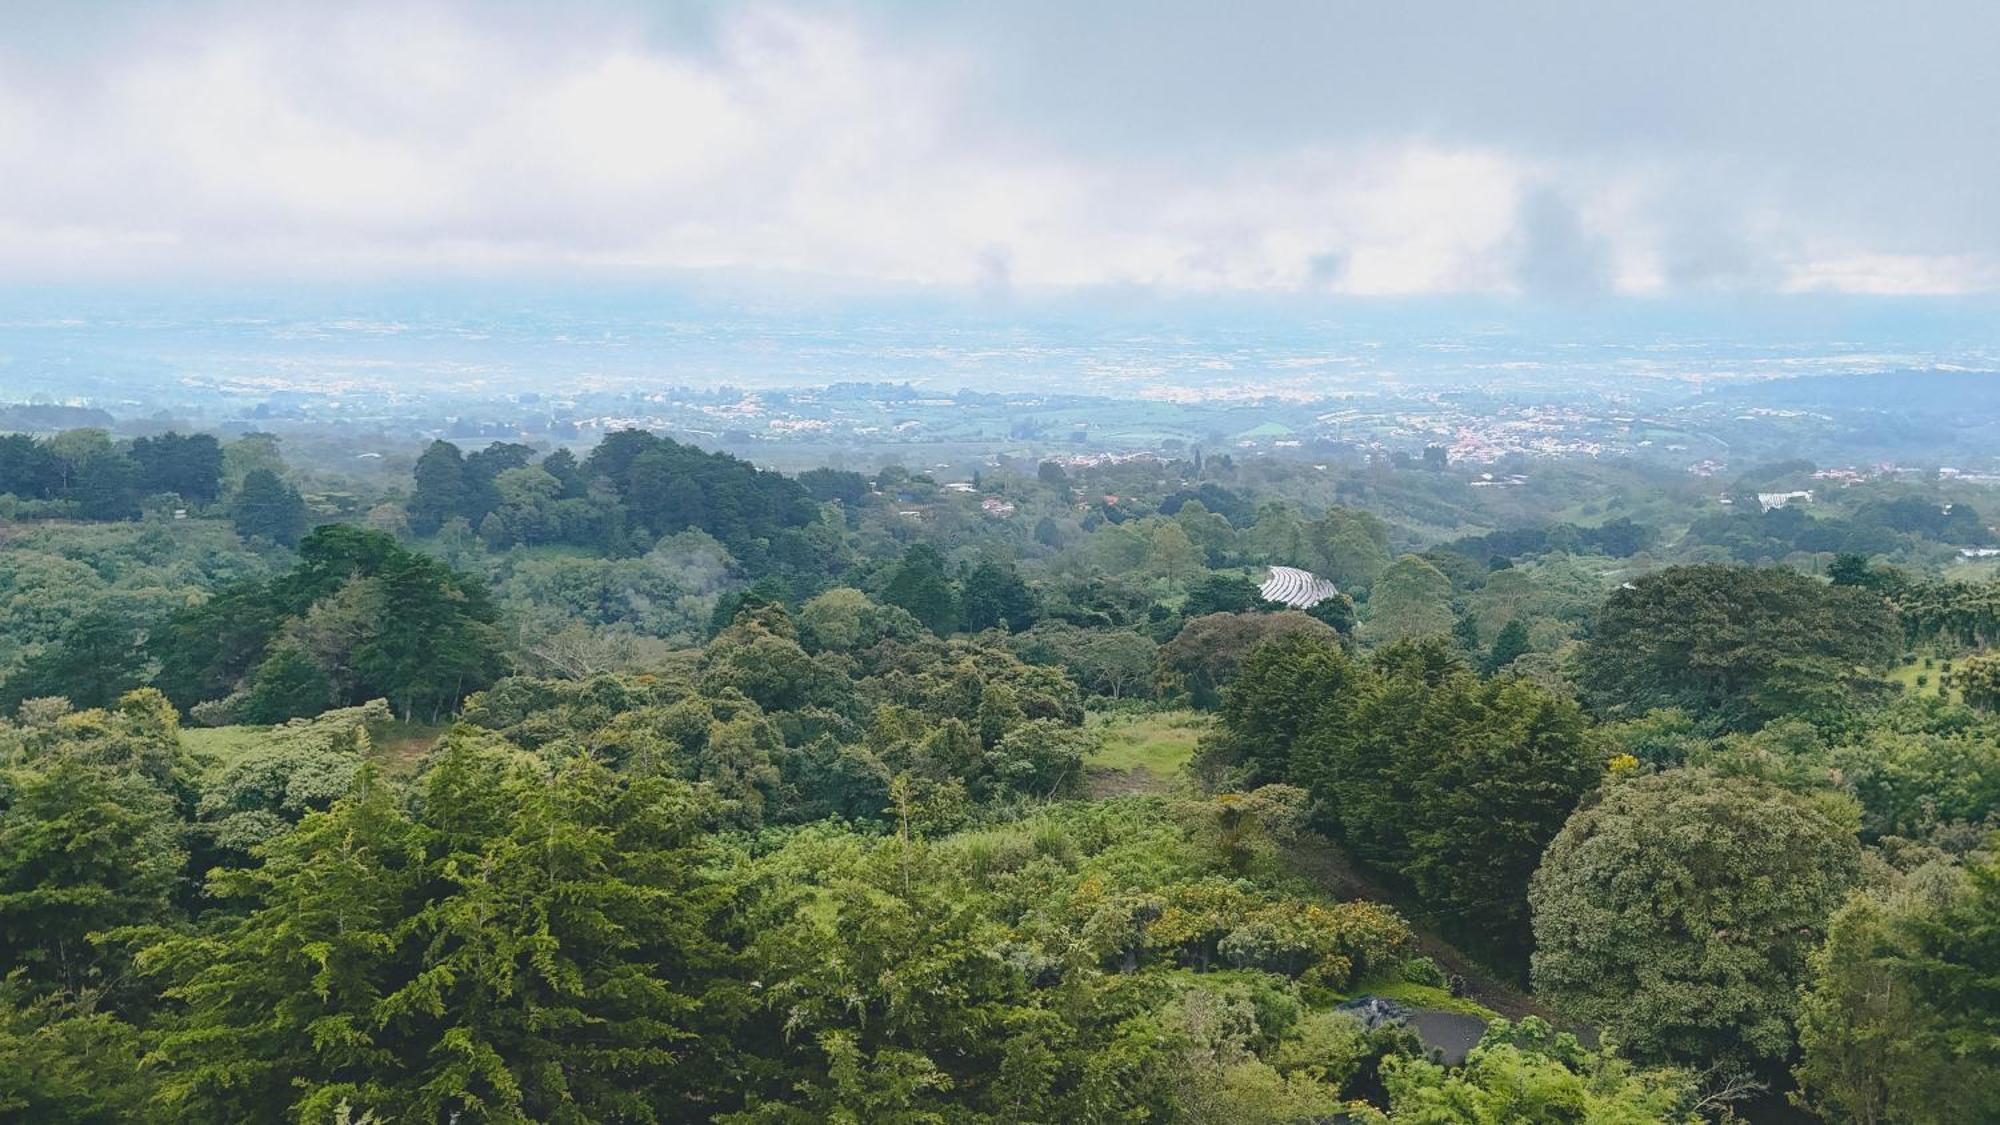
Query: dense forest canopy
pixel 640 783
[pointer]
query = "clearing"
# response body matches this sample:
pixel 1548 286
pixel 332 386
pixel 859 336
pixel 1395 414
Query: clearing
pixel 1143 751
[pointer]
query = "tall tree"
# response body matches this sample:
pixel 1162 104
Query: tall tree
pixel 994 595
pixel 268 508
pixel 440 488
pixel 920 585
pixel 1411 599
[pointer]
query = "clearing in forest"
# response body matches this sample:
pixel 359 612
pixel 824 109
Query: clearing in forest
pixel 1142 751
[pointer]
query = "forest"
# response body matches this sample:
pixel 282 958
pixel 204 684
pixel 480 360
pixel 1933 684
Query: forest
pixel 637 783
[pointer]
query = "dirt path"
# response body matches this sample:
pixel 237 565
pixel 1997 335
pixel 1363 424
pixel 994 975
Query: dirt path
pixel 1319 860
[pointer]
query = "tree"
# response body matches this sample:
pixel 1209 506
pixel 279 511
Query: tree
pixel 1419 767
pixel 377 620
pixel 106 486
pixel 1352 545
pixel 994 594
pixel 83 848
pixel 1113 662
pixel 410 966
pixel 1679 909
pixel 95 660
pixel 1411 599
pixel 1977 679
pixel 1876 1042
pixel 288 685
pixel 1954 960
pixel 268 508
pixel 919 585
pixel 834 484
pixel 1509 645
pixel 1530 1074
pixel 189 466
pixel 440 488
pixel 1171 554
pixel 1740 644
pixel 1222 593
pixel 1206 653
pixel 64 1060
pixel 29 469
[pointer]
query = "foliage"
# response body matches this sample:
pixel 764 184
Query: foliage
pixel 1739 644
pixel 1411 599
pixel 1678 912
pixel 412 964
pixel 1877 1038
pixel 1418 767
pixel 1208 650
pixel 377 621
pixel 1530 1074
pixel 266 507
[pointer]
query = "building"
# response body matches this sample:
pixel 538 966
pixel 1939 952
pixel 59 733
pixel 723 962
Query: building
pixel 1299 589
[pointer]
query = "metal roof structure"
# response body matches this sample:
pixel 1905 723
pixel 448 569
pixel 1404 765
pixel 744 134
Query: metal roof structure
pixel 1299 589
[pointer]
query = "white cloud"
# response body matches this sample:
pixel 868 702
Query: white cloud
pixel 316 140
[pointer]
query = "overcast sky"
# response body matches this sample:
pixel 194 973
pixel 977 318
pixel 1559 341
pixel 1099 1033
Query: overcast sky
pixel 1546 149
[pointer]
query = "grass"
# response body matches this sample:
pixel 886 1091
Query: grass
pixel 399 746
pixel 1906 675
pixel 221 745
pixel 1158 742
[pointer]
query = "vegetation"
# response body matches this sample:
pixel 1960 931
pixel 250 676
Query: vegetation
pixel 650 785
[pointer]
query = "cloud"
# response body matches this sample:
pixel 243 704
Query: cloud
pixel 1556 256
pixel 1318 148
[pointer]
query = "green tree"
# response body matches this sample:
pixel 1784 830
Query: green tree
pixel 83 848
pixel 106 486
pixel 268 508
pixel 62 1060
pixel 1977 679
pixel 1876 1043
pixel 994 594
pixel 1508 646
pixel 1411 599
pixel 1529 1074
pixel 1743 645
pixel 440 488
pixel 287 685
pixel 411 967
pixel 1421 769
pixel 1206 653
pixel 187 465
pixel 1679 909
pixel 920 586
pixel 95 660
pixel 1352 545
pixel 1171 554
pixel 1222 593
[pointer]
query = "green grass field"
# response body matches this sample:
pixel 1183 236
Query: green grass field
pixel 1158 742
pixel 1906 675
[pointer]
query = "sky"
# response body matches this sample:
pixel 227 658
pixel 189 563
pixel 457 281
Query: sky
pixel 1556 151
